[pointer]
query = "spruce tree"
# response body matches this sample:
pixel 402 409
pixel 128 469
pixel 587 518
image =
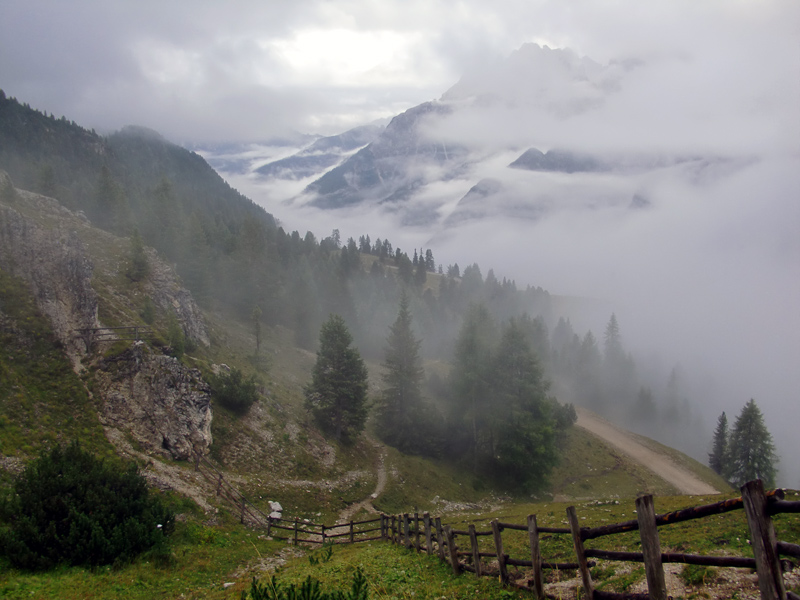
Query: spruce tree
pixel 521 418
pixel 337 393
pixel 751 452
pixel 400 405
pixel 719 449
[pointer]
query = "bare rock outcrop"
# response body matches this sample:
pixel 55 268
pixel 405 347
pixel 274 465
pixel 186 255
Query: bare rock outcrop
pixel 54 263
pixel 165 406
pixel 168 296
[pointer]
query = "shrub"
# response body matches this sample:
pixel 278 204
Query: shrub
pixel 235 391
pixel 310 589
pixel 69 507
pixel 697 574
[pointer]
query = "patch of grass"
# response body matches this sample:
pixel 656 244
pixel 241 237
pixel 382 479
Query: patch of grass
pixel 591 468
pixel 697 574
pixel 42 400
pixel 394 572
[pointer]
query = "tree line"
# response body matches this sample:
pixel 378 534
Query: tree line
pixel 494 415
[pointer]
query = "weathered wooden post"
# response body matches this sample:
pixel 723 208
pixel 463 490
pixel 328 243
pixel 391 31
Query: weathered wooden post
pixel 296 526
pixel 439 538
pixel 651 548
pixel 219 484
pixel 452 549
pixel 501 557
pixel 536 558
pixel 406 531
pixel 577 542
pixel 416 531
pixel 762 534
pixel 322 533
pixel 426 519
pixel 394 529
pixel 383 526
pixel 476 552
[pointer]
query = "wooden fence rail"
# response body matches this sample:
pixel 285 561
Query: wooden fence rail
pixel 424 533
pixel 759 507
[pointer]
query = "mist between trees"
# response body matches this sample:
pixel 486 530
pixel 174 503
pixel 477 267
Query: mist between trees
pixel 473 333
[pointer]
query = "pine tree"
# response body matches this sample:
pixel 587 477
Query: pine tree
pixel 139 266
pixel 719 450
pixel 400 404
pixel 521 416
pixel 337 393
pixel 751 452
pixel 471 376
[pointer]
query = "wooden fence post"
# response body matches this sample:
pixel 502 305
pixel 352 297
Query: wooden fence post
pixel 452 549
pixel 577 542
pixel 416 531
pixel 762 534
pixel 394 529
pixel 476 552
pixel 439 538
pixel 352 536
pixel 219 484
pixel 383 527
pixel 651 548
pixel 536 558
pixel 501 557
pixel 296 525
pixel 426 519
pixel 322 532
pixel 406 531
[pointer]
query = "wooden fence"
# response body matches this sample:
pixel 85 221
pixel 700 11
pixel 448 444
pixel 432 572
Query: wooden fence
pixel 424 533
pixel 429 535
pixel 296 530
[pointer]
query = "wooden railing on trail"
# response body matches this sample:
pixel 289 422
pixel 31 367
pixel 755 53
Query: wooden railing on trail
pixel 295 530
pixel 427 534
pixel 93 335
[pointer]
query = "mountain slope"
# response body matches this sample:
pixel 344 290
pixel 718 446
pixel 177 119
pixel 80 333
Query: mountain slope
pixel 684 480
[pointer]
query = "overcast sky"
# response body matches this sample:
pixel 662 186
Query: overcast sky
pixel 201 71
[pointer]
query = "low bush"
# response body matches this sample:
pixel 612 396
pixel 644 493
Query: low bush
pixel 69 507
pixel 235 391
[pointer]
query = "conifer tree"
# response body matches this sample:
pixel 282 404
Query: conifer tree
pixel 523 424
pixel 719 449
pixel 337 393
pixel 400 403
pixel 751 452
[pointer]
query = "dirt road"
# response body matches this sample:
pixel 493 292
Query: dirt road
pixel 685 481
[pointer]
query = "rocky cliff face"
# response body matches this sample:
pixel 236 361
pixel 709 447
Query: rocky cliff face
pixel 162 404
pixel 54 264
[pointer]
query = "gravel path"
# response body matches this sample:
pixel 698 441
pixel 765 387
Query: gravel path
pixel 684 480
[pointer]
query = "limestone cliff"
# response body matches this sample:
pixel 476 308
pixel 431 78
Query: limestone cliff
pixel 165 406
pixel 161 403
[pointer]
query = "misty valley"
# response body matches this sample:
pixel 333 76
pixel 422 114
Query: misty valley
pixel 205 346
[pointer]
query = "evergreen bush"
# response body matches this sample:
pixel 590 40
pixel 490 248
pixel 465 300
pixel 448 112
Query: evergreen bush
pixel 235 391
pixel 69 507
